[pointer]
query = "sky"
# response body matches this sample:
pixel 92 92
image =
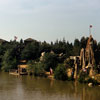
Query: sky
pixel 49 20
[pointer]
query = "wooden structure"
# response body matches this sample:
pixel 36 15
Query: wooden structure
pixel 2 41
pixel 29 40
pixel 22 69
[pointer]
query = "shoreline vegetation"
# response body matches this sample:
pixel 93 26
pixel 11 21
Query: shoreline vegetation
pixel 60 60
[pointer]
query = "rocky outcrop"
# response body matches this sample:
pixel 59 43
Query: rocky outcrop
pixel 87 54
pixel 42 55
pixel 82 58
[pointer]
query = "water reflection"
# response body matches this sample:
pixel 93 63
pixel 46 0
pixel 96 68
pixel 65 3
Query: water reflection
pixel 35 88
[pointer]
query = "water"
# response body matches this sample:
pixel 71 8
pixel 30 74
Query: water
pixel 32 88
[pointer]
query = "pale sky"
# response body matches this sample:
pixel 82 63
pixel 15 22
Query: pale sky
pixel 49 19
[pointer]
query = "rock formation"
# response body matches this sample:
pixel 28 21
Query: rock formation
pixel 42 55
pixel 87 55
pixel 86 58
pixel 82 58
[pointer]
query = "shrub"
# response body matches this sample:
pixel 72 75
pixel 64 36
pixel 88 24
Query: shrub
pixel 35 68
pixel 71 78
pixel 69 63
pixel 82 77
pixel 50 60
pixel 60 72
pixel 39 70
pixel 30 67
pixel 91 80
pixel 9 61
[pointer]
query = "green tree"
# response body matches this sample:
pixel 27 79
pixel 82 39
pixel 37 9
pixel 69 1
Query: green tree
pixel 39 69
pixel 45 47
pixel 50 60
pixel 2 51
pixel 83 42
pixel 69 62
pixel 9 61
pixel 31 51
pixel 69 49
pixel 30 68
pixel 59 47
pixel 35 68
pixel 60 72
pixel 76 49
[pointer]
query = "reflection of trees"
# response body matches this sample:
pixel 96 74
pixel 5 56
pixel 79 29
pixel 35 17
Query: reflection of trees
pixel 90 93
pixel 60 88
pixel 48 87
pixel 75 93
pixel 83 93
pixel 6 82
pixel 9 87
pixel 27 87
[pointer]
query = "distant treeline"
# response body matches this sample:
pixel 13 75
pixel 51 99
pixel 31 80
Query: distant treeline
pixel 12 52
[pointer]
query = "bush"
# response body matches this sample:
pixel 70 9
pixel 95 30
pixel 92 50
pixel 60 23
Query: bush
pixel 35 68
pixel 60 72
pixel 31 51
pixel 9 61
pixel 70 78
pixel 91 80
pixel 50 60
pixel 82 77
pixel 39 70
pixel 69 63
pixel 30 67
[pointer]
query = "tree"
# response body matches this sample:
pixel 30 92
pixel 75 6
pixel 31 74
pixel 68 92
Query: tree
pixel 35 68
pixel 76 43
pixel 60 72
pixel 9 61
pixel 76 49
pixel 50 60
pixel 38 69
pixel 59 47
pixel 69 62
pixel 45 47
pixel 2 51
pixel 83 42
pixel 21 41
pixel 31 51
pixel 69 49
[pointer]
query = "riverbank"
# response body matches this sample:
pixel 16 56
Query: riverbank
pixel 90 82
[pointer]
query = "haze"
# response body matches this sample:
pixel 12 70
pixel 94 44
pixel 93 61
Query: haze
pixel 49 19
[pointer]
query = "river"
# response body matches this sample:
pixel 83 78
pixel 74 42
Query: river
pixel 35 88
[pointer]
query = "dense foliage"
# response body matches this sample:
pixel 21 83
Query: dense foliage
pixel 60 72
pixel 50 61
pixel 12 52
pixel 35 68
pixel 84 78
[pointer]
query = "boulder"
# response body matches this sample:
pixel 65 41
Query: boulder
pixel 90 84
